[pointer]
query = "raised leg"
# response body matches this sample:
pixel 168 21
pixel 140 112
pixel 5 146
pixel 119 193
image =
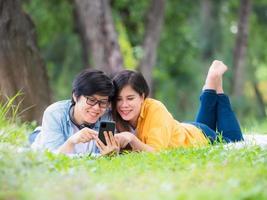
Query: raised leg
pixel 215 108
pixel 227 122
pixel 207 113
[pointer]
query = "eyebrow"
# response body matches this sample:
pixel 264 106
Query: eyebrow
pixel 131 95
pixel 105 99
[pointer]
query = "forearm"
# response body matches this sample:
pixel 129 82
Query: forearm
pixel 66 148
pixel 138 145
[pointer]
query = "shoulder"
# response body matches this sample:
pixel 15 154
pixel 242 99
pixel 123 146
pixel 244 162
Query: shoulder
pixel 60 106
pixel 153 104
pixel 152 107
pixel 57 111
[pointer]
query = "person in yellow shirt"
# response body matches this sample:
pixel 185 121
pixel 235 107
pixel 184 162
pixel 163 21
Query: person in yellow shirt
pixel 146 125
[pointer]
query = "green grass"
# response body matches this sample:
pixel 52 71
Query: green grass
pixel 211 172
pixel 206 173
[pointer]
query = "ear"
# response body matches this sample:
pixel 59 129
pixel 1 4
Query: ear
pixel 74 98
pixel 143 96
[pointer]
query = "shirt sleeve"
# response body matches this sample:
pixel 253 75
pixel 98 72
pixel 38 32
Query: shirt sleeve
pixel 158 128
pixel 52 134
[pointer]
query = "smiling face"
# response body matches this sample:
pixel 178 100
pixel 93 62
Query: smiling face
pixel 86 113
pixel 129 104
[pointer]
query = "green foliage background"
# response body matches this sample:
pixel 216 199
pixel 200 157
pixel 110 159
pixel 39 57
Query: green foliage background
pixel 180 68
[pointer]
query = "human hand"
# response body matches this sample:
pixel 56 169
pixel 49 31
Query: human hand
pixel 82 136
pixel 124 138
pixel 112 145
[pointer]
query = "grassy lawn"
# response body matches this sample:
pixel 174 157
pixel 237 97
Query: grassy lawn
pixel 212 172
pixel 208 173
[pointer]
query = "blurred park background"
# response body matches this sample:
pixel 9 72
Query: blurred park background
pixel 44 44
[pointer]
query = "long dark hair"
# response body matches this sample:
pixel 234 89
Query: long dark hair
pixel 123 78
pixel 90 82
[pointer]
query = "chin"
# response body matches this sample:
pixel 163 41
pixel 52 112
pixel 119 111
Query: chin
pixel 126 118
pixel 92 121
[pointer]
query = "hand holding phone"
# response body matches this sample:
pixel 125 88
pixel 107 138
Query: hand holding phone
pixel 105 126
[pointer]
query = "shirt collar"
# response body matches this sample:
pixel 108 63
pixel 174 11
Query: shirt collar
pixel 68 114
pixel 142 112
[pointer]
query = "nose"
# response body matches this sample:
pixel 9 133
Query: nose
pixel 96 106
pixel 124 103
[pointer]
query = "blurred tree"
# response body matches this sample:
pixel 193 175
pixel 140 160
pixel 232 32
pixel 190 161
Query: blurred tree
pixel 143 22
pixel 100 35
pixel 210 28
pixel 240 48
pixel 187 45
pixel 59 42
pixel 154 23
pixel 81 30
pixel 178 71
pixel 257 57
pixel 21 66
pixel 260 100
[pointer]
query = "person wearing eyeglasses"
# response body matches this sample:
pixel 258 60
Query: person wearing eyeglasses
pixel 70 126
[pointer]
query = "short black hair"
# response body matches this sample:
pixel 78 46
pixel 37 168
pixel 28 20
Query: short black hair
pixel 90 82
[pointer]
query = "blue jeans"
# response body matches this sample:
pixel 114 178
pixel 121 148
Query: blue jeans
pixel 216 115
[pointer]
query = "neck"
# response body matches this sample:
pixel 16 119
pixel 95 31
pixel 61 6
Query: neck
pixel 133 123
pixel 78 123
pixel 74 116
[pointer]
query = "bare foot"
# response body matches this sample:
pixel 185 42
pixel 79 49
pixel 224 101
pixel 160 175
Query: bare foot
pixel 214 77
pixel 217 68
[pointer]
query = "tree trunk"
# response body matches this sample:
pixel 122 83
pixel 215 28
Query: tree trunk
pixel 240 48
pixel 80 30
pixel 101 37
pixel 211 29
pixel 152 35
pixel 21 67
pixel 260 100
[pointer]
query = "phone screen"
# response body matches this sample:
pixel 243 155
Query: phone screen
pixel 105 126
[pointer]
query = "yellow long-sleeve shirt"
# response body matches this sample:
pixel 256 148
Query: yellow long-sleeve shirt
pixel 157 128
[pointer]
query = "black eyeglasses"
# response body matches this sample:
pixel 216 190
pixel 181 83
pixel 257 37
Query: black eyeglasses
pixel 91 101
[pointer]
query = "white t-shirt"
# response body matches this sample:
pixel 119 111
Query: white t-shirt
pixel 82 148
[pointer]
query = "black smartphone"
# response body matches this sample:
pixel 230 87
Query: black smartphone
pixel 105 126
